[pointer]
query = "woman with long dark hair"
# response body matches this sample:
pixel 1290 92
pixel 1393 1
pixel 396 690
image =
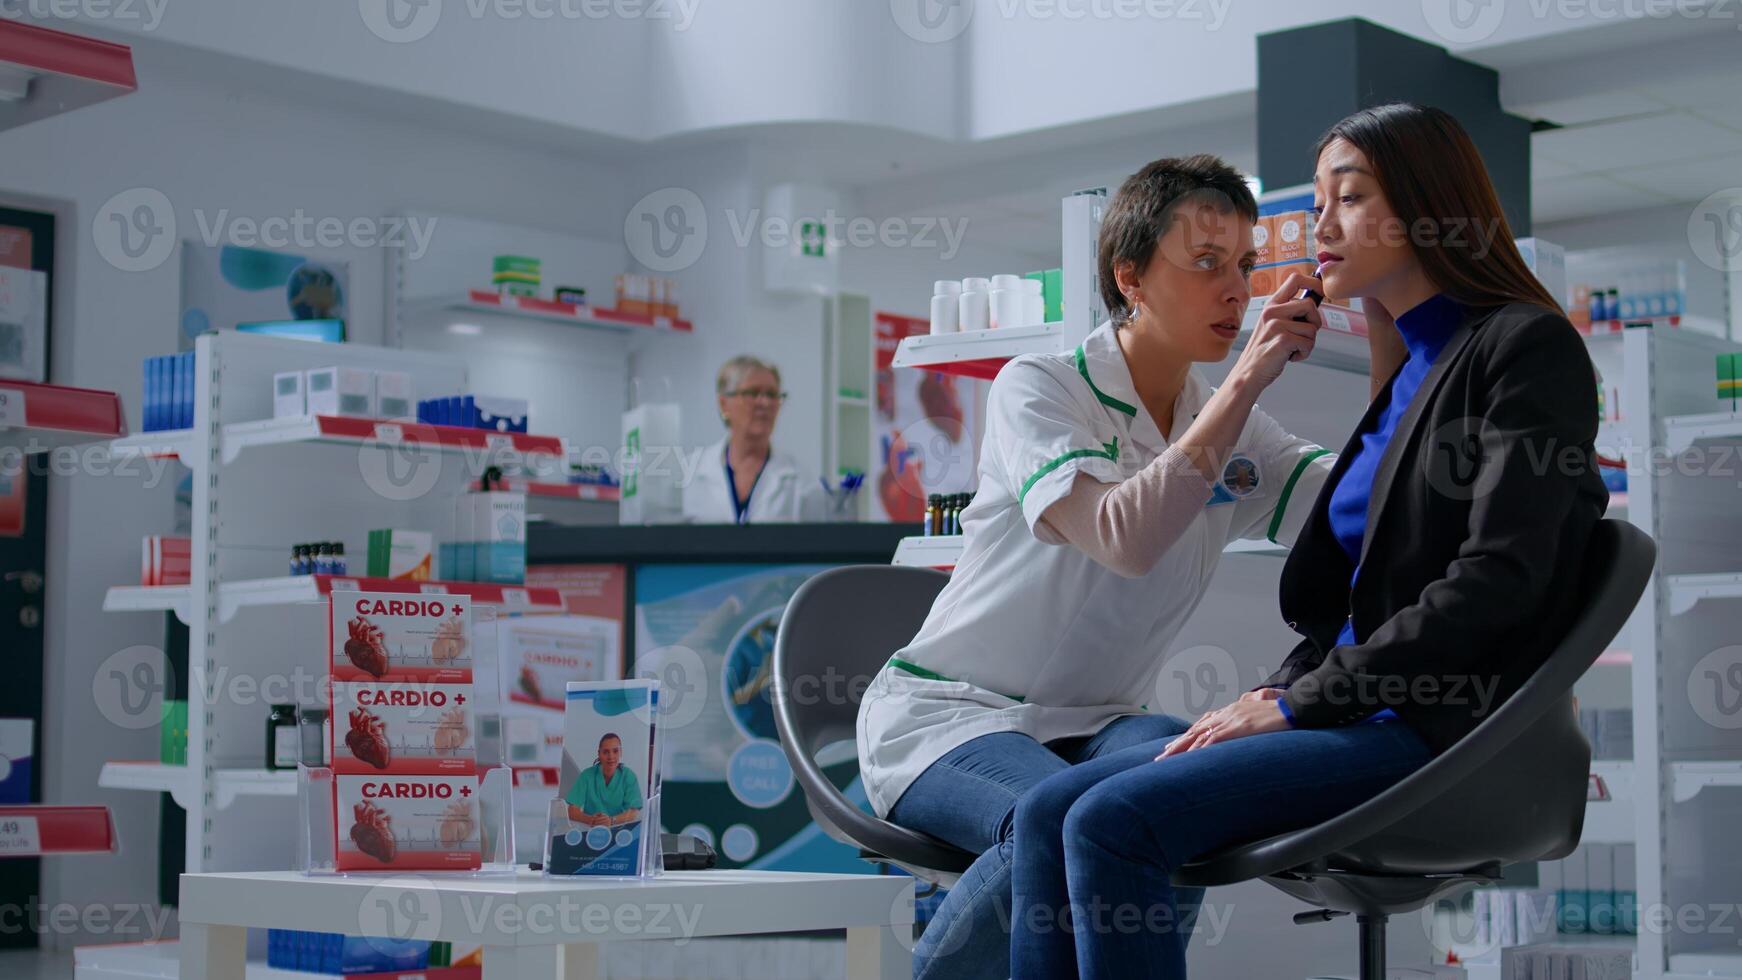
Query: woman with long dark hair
pixel 1423 584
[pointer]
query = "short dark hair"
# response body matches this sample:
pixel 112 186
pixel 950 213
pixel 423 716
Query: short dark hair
pixel 1142 210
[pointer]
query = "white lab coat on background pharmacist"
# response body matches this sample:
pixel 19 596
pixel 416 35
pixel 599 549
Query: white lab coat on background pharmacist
pixel 780 496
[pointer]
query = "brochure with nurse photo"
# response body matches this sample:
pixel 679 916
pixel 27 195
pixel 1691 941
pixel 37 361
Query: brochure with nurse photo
pixel 609 780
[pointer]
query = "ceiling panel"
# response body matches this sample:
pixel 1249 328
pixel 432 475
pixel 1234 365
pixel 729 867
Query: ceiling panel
pixel 1637 142
pixel 1689 180
pixel 1577 197
pixel 1590 108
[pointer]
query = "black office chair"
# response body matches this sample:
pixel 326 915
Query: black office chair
pixel 1452 824
pixel 838 631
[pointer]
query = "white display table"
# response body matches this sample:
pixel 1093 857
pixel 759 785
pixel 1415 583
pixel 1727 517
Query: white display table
pixel 523 922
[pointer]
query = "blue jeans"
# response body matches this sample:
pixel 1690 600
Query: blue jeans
pixel 1096 843
pixel 969 799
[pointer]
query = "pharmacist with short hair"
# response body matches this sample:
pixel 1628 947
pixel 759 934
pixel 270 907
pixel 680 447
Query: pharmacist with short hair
pixel 1111 479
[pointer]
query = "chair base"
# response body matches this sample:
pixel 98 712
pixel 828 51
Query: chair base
pixel 1376 895
pixel 1372 899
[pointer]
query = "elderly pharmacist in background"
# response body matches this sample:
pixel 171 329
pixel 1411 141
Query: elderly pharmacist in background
pixel 743 479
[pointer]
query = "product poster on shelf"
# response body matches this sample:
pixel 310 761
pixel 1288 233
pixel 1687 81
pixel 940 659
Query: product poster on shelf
pixel 224 286
pixel 923 431
pixel 706 633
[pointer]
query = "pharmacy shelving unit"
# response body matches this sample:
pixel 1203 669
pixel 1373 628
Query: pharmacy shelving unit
pixel 46 72
pixel 36 418
pixel 256 635
pixel 1685 490
pixel 483 301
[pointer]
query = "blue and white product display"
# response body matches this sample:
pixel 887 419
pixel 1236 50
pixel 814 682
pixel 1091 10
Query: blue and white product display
pixel 605 821
pixel 489 539
pixel 168 401
pixel 332 954
pixel 500 414
pixel 498 537
pixel 491 412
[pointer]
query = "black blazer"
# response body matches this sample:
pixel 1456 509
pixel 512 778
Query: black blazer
pixel 1481 508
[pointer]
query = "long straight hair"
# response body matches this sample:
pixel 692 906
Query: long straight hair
pixel 1435 181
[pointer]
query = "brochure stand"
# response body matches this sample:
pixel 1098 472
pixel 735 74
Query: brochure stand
pixel 605 819
pixel 567 842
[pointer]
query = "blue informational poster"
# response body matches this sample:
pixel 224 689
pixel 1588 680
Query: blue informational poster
pixel 706 633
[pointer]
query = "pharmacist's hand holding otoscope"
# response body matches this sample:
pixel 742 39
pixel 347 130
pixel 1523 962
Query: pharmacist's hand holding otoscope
pixel 1287 327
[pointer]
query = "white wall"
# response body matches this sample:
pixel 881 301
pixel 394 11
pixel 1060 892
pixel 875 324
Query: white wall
pixel 210 144
pixel 644 69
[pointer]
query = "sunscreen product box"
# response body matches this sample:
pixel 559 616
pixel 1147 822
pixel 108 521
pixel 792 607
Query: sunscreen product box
pixel 341 391
pixel 288 398
pixel 393 397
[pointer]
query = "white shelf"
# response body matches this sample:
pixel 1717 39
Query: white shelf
pixel 501 448
pixel 289 589
pixel 155 777
pixel 1680 432
pixel 150 598
pixel 52 72
pixel 978 353
pixel 482 302
pixel 179 443
pixel 1611 821
pixel 929 551
pixel 1705 965
pixel 1685 591
pixel 1687 779
pixel 42 417
pixel 181 783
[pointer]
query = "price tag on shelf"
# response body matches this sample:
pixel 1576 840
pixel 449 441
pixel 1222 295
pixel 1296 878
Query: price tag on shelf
pixel 499 441
pixel 11 408
pixel 346 585
pixel 19 837
pixel 516 597
pixel 433 589
pixel 389 432
pixel 662 322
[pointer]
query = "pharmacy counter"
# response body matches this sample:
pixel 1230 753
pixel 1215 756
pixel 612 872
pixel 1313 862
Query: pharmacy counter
pixel 832 544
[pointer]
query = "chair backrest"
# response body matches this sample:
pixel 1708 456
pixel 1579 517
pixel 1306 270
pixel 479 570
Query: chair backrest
pixel 1476 803
pixel 838 631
